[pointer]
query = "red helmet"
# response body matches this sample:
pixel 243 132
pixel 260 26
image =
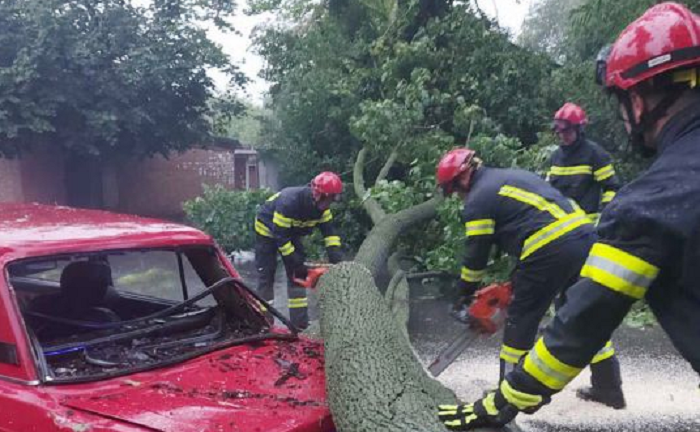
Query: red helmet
pixel 452 165
pixel 327 183
pixel 571 114
pixel 666 37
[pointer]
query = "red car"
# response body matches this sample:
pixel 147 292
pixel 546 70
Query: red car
pixel 119 323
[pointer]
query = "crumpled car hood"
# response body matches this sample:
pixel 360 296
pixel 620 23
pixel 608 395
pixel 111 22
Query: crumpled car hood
pixel 265 387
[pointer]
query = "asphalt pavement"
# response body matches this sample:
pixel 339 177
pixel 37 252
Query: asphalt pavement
pixel 661 388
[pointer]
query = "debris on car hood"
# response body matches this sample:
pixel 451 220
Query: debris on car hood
pixel 268 386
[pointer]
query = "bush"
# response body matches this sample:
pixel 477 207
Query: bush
pixel 226 215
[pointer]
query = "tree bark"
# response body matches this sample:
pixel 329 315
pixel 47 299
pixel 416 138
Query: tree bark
pixel 374 381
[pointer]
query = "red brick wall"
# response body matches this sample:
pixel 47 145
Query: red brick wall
pixel 158 186
pixel 35 177
pixel 10 180
pixel 43 177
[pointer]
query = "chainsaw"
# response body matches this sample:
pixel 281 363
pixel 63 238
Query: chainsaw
pixel 485 315
pixel 314 273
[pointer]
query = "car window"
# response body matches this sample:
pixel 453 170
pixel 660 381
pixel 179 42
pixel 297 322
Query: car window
pixel 107 312
pixel 152 273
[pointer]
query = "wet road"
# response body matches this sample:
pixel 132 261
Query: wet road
pixel 661 388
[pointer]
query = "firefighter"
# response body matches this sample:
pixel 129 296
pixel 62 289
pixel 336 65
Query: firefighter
pixel 581 169
pixel 649 236
pixel 548 233
pixel 281 222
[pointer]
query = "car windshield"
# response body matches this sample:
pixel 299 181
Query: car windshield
pixel 116 312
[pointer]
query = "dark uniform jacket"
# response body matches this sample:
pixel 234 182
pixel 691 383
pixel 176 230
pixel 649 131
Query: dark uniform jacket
pixel 583 171
pixel 648 247
pixel 290 214
pixel 517 211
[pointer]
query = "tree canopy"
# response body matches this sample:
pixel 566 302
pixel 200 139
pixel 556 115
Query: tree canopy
pixel 105 77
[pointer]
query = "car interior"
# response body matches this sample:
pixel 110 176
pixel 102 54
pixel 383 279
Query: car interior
pixel 101 313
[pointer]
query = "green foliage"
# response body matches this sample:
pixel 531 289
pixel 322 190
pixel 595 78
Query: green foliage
pixel 640 316
pixel 237 119
pixel 229 217
pixel 420 77
pixel 106 77
pixel 226 215
pixel 543 28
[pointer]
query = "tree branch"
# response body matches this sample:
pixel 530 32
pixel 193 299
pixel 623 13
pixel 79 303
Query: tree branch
pixel 371 206
pixel 375 250
pixel 387 166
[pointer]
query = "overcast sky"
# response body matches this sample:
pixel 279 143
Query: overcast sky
pixel 510 14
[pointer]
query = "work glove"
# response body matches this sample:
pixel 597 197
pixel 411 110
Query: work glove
pixel 491 411
pixel 312 277
pixel 460 308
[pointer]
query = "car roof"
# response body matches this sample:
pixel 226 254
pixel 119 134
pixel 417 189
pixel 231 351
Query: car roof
pixel 31 229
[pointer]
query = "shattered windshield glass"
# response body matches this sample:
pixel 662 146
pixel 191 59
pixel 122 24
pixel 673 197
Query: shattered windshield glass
pixel 115 312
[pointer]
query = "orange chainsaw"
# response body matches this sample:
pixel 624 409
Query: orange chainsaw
pixel 485 315
pixel 313 274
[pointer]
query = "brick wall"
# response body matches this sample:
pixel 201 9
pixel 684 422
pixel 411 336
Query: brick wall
pixel 43 177
pixel 10 180
pixel 158 186
pixel 152 187
pixel 35 177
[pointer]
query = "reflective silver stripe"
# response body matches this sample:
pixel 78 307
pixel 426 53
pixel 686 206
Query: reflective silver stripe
pixel 480 227
pixel 571 170
pixel 613 268
pixel 552 232
pixel 541 365
pixel 469 275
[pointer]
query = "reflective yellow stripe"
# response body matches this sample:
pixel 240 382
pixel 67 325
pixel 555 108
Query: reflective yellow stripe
pixel 447 409
pixel 571 170
pixel 261 229
pixel 480 227
pixel 547 369
pixel 604 173
pixel 605 353
pixel 619 271
pixel 332 241
pixel 298 303
pixel 593 217
pixel 607 197
pixel 286 222
pixel 511 355
pixel 552 232
pixel 520 400
pixel 532 199
pixel 281 220
pixel 574 204
pixel 287 249
pixel 469 275
pixel 274 197
pixel 489 403
pixel 327 216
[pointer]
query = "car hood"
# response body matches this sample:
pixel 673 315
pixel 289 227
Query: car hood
pixel 269 386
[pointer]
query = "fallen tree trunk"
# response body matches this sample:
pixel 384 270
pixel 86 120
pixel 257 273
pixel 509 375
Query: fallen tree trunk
pixel 374 380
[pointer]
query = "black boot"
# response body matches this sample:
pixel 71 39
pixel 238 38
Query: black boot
pixel 614 398
pixel 606 384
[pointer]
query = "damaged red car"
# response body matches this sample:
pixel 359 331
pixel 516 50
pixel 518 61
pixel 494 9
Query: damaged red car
pixel 118 323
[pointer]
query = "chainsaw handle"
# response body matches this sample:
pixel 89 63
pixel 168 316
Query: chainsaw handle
pixel 312 277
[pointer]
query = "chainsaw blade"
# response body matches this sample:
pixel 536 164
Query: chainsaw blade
pixel 452 352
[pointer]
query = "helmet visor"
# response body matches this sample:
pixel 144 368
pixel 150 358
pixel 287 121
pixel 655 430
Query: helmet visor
pixel 562 126
pixel 601 65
